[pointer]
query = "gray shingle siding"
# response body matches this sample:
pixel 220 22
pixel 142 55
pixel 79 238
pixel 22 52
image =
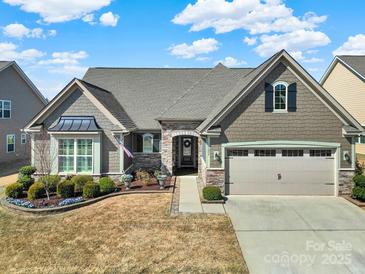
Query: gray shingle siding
pixel 312 121
pixel 24 105
pixel 78 104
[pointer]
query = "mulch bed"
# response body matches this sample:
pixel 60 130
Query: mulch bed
pixel 354 201
pixel 135 186
pixel 153 185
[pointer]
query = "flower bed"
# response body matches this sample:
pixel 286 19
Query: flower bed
pixel 51 192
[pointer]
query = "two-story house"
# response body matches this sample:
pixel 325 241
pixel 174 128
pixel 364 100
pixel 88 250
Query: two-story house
pixel 345 81
pixel 20 100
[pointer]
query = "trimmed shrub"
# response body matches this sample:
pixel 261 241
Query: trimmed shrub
pixel 66 189
pixel 106 185
pixel 14 190
pixel 25 180
pixel 36 191
pixel 53 181
pixel 358 193
pixel 211 193
pixel 80 181
pixel 359 180
pixel 91 190
pixel 27 170
pixel 145 176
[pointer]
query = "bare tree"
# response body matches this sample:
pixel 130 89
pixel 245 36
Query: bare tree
pixel 44 158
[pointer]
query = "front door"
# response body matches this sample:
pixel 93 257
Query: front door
pixel 187 152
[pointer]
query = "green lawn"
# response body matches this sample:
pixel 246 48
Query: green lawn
pixel 124 234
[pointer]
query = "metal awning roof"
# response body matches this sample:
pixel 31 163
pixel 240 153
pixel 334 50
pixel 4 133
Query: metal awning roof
pixel 76 124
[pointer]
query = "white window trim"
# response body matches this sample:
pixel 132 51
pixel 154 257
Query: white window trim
pixel 74 171
pixel 7 144
pixel 286 97
pixel 3 101
pixel 143 142
pixel 23 138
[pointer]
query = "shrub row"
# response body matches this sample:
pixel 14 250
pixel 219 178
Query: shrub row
pixel 74 186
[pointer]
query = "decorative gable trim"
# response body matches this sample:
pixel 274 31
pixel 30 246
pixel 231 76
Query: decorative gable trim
pixel 306 78
pixel 62 96
pixel 334 62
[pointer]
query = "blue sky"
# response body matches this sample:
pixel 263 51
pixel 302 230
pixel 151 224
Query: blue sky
pixel 57 40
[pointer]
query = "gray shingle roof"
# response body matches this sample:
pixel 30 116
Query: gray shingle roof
pixel 108 100
pixel 199 100
pixel 240 84
pixel 144 93
pixel 357 62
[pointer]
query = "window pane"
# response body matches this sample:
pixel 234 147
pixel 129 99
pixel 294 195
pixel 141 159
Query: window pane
pixel 147 143
pixel 10 139
pixel 156 145
pixel 66 164
pixel 7 105
pixel 265 153
pixel 84 164
pixel 280 97
pixel 6 113
pixel 66 147
pixel 84 146
pixel 320 153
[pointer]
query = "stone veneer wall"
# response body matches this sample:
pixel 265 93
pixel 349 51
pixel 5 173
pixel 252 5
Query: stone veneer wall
pixel 345 183
pixel 215 177
pixel 146 161
pixel 169 131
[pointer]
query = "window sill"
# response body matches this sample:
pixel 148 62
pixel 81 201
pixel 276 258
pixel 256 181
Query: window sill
pixel 280 111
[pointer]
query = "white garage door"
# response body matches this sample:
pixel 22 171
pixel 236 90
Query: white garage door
pixel 280 171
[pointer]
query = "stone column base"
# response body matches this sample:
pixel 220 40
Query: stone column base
pixel 215 177
pixel 345 183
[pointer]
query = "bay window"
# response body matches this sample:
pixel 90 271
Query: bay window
pixel 75 155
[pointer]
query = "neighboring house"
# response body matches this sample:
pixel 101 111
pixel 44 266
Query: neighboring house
pixel 268 130
pixel 345 81
pixel 20 100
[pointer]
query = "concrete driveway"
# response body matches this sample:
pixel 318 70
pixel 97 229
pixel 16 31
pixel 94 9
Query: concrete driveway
pixel 282 234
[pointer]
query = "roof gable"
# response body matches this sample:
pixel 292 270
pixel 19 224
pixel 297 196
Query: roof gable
pixel 102 99
pixel 246 85
pixel 6 64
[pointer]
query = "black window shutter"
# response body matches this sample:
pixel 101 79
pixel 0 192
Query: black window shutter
pixel 292 97
pixel 269 98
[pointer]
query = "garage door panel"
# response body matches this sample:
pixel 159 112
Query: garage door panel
pixel 280 175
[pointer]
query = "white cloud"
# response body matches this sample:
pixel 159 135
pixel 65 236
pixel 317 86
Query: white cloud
pixel 250 40
pixel 56 11
pixel 198 47
pixel 67 62
pixel 355 45
pixel 255 16
pixel 8 51
pixel 313 60
pixel 20 31
pixel 65 58
pixel 294 42
pixel 69 70
pixel 89 18
pixel 231 62
pixel 109 19
pixel 203 58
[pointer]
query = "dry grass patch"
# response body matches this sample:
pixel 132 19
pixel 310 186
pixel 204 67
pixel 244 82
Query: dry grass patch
pixel 125 234
pixel 9 179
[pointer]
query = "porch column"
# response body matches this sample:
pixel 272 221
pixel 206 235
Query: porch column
pixel 166 151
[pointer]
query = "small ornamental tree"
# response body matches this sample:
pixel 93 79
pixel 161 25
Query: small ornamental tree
pixel 44 159
pixel 359 167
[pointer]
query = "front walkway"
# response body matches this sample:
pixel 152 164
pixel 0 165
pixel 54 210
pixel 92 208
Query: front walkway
pixel 189 201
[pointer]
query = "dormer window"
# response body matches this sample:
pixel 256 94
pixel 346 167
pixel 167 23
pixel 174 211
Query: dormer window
pixel 280 97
